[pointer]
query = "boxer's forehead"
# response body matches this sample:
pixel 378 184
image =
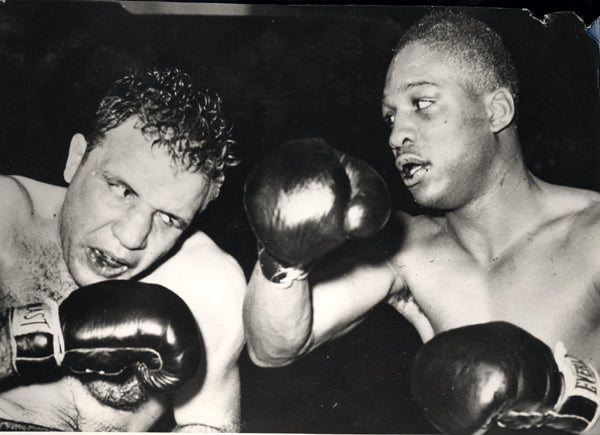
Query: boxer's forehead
pixel 128 157
pixel 417 64
pixel 126 147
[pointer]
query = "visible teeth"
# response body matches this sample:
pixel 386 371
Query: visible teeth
pixel 105 260
pixel 106 265
pixel 409 169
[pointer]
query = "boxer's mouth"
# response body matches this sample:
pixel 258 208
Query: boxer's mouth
pixel 105 264
pixel 412 169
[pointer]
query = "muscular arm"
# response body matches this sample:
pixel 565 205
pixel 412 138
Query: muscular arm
pixel 302 215
pixel 283 324
pixel 213 286
pixel 212 404
pixel 212 407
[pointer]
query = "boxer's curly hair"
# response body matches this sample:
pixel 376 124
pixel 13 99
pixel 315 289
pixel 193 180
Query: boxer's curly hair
pixel 470 45
pixel 173 115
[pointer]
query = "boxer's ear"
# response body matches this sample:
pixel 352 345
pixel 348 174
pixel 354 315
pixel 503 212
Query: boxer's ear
pixel 76 152
pixel 500 106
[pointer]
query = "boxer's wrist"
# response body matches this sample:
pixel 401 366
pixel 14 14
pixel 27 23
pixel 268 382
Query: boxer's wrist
pixel 36 339
pixel 278 273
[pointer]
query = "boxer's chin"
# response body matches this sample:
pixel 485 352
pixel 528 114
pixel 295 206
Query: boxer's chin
pixel 124 392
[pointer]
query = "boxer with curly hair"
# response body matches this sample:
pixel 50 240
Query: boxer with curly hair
pixel 113 306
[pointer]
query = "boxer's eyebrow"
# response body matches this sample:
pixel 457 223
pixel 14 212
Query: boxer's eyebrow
pixel 419 83
pixel 408 86
pixel 117 179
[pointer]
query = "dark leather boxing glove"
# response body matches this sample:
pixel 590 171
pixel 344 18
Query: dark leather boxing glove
pixel 471 379
pixel 306 199
pixel 107 328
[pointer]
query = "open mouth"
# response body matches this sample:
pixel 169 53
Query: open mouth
pixel 412 169
pixel 105 264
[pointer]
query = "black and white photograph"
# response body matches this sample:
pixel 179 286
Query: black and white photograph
pixel 317 218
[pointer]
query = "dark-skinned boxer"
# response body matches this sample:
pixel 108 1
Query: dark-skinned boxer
pixel 493 243
pixel 154 160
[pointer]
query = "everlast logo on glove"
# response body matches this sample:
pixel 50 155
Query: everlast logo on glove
pixel 586 377
pixel 35 336
pixel 106 329
pixel 471 378
pixel 580 395
pixel 578 407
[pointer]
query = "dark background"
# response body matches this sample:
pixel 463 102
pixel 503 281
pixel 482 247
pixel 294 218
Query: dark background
pixel 286 72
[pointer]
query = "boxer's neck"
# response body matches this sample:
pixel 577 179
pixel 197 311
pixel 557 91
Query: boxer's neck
pixel 509 209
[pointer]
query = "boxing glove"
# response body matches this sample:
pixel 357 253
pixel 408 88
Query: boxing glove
pixel 107 329
pixel 306 199
pixel 471 379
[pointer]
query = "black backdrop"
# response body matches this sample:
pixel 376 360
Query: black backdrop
pixel 287 72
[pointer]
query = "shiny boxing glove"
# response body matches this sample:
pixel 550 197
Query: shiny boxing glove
pixel 474 378
pixel 305 199
pixel 107 329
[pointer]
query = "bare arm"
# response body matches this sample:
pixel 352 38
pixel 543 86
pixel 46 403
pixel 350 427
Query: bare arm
pixel 302 215
pixel 216 408
pixel 278 321
pixel 213 286
pixel 283 324
pixel 213 403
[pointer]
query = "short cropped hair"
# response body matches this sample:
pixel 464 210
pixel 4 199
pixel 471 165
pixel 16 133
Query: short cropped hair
pixel 173 115
pixel 478 51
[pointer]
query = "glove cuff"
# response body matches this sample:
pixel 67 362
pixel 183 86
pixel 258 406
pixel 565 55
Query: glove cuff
pixel 578 405
pixel 36 338
pixel 276 272
pixel 581 386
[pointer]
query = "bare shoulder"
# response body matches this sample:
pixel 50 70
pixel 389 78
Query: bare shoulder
pixel 41 200
pixel 417 229
pixel 581 208
pixel 586 222
pixel 16 212
pixel 213 285
pixel 26 205
pixel 15 200
pixel 199 270
pixel 414 235
pixel 576 213
pixel 210 281
pixel 590 214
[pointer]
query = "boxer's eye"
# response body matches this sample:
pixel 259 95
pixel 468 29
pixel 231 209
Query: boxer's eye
pixel 169 220
pixel 121 189
pixel 388 119
pixel 422 103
